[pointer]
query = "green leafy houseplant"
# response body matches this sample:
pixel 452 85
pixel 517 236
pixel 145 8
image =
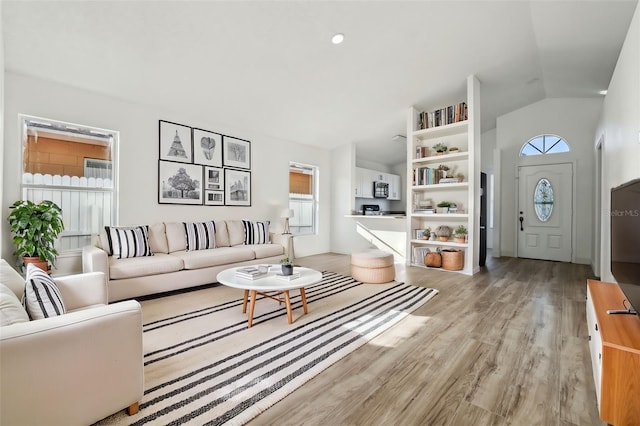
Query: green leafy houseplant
pixel 460 233
pixel 440 147
pixel 426 234
pixel 35 228
pixel 443 232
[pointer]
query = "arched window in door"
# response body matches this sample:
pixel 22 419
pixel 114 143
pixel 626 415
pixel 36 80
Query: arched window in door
pixel 544 144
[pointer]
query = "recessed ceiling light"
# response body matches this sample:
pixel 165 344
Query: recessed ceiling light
pixel 603 92
pixel 337 39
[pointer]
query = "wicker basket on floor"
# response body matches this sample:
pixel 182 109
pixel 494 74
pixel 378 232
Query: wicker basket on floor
pixel 452 260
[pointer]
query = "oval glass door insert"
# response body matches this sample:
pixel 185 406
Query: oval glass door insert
pixel 543 199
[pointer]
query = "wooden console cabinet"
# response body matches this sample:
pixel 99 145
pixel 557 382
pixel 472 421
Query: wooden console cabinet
pixel 614 343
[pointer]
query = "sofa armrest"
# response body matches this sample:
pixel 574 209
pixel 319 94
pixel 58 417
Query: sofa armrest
pixel 286 241
pixel 82 290
pixel 75 368
pixel 95 259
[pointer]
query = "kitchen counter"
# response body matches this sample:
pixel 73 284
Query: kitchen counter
pixel 379 216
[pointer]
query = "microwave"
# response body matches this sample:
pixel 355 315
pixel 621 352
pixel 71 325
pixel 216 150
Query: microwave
pixel 380 189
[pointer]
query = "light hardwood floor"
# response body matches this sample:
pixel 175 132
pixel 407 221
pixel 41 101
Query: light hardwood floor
pixel 507 346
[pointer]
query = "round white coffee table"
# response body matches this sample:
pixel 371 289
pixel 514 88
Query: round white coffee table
pixel 270 283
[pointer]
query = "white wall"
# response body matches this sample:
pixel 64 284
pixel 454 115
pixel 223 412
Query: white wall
pixel 487 149
pixel 574 120
pixel 3 171
pixel 345 235
pixel 619 128
pixel 138 158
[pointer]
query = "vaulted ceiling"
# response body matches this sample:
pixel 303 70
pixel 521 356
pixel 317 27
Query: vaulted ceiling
pixel 270 66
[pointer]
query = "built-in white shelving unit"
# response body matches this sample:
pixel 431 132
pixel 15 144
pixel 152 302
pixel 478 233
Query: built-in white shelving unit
pixel 464 164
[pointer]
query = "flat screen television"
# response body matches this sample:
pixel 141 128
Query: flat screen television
pixel 625 241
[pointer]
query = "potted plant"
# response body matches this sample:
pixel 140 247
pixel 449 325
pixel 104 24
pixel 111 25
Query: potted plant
pixel 426 234
pixel 460 234
pixel 35 228
pixel 443 207
pixel 287 267
pixel 443 232
pixel 443 168
pixel 440 148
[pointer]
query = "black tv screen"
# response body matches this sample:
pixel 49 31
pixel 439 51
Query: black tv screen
pixel 625 240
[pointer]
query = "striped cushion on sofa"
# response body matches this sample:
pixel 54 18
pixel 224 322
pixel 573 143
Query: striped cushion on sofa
pixel 256 232
pixel 129 242
pixel 200 236
pixel 42 299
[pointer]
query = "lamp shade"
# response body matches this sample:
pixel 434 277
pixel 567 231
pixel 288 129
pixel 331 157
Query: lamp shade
pixel 287 213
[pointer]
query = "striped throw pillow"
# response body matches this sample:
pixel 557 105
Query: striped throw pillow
pixel 129 242
pixel 200 236
pixel 256 232
pixel 41 299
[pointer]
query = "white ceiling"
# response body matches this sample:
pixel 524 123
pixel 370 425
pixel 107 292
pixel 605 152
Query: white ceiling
pixel 269 65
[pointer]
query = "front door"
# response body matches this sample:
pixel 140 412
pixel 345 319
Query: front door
pixel 544 207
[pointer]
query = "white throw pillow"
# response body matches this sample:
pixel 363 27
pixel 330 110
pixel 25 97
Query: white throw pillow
pixel 11 311
pixel 200 236
pixel 42 299
pixel 256 232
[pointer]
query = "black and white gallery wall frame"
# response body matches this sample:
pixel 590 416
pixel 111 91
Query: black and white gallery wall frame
pixel 200 167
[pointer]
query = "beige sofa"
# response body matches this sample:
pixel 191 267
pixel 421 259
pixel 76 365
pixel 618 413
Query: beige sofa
pixel 72 369
pixel 172 267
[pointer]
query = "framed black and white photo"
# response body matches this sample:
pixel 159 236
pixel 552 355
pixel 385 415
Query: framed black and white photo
pixel 236 153
pixel 179 183
pixel 207 148
pixel 213 179
pixel 237 187
pixel 213 198
pixel 175 142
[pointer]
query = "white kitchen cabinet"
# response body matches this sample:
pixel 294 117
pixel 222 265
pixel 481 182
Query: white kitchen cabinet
pixel 364 182
pixel 366 177
pixel 395 187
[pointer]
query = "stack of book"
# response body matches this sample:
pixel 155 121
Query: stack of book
pixel 449 180
pixel 250 273
pixel 288 277
pixel 426 210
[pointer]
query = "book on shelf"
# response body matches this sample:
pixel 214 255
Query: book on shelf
pixel 424 211
pixel 426 176
pixel 418 255
pixel 288 277
pixel 250 272
pixel 422 152
pixel 443 116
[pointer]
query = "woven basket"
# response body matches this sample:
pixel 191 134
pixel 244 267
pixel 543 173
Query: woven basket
pixel 452 260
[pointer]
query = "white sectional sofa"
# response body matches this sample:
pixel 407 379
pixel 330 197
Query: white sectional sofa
pixel 172 266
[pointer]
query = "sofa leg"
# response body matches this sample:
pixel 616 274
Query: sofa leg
pixel 133 409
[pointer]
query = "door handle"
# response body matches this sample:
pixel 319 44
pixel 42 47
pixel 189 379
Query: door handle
pixel 521 220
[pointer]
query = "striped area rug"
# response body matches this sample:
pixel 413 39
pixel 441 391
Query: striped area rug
pixel 204 366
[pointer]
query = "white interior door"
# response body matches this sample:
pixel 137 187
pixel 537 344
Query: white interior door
pixel 544 207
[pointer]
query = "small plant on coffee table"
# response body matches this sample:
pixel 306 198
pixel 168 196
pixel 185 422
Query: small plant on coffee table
pixel 287 267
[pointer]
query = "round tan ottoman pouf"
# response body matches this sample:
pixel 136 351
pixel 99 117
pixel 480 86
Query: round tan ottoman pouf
pixel 374 267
